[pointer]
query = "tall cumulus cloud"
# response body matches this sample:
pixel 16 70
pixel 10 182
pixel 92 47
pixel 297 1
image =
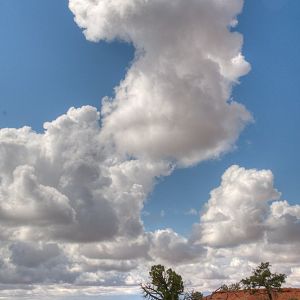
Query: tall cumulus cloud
pixel 71 197
pixel 174 102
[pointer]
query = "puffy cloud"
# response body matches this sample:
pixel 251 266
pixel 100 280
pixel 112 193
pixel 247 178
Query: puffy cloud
pixel 284 223
pixel 31 263
pixel 172 248
pixel 123 262
pixel 236 211
pixel 84 180
pixel 71 197
pixel 25 254
pixel 71 206
pixel 242 210
pixel 69 183
pixel 120 249
pixel 24 201
pixel 242 224
pixel 175 100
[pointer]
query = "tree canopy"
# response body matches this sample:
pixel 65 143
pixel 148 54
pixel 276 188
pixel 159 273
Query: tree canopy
pixel 230 288
pixel 193 296
pixel 263 278
pixel 164 285
pixel 168 285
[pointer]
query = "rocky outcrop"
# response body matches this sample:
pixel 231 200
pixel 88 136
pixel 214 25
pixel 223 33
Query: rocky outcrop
pixel 284 294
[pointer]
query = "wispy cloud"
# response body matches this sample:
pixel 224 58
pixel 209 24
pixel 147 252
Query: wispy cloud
pixel 191 212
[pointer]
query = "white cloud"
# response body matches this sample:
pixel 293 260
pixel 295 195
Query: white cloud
pixel 236 211
pixel 244 223
pixel 242 210
pixel 284 223
pixel 120 249
pixel 174 102
pixel 191 212
pixel 26 263
pixel 27 202
pixel 123 261
pixel 71 206
pixel 71 198
pixel 170 247
pixel 69 183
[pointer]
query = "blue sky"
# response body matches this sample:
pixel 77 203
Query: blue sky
pixel 48 65
pixel 65 70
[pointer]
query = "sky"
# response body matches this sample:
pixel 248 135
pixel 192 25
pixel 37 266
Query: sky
pixel 139 132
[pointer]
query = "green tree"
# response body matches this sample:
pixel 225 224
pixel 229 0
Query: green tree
pixel 193 296
pixel 263 278
pixel 164 285
pixel 233 287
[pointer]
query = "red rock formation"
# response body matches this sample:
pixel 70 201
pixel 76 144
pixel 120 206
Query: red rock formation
pixel 284 294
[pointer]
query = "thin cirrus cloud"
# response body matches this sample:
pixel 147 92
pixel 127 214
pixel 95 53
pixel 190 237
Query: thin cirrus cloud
pixel 71 198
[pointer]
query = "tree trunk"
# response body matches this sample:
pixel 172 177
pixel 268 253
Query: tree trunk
pixel 269 294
